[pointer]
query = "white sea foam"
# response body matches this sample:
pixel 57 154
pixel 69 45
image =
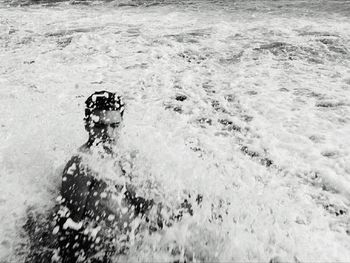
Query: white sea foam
pixel 261 130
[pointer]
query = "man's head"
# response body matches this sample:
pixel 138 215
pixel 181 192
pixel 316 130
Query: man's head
pixel 103 116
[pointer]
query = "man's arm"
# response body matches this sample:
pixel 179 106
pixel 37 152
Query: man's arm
pixel 75 188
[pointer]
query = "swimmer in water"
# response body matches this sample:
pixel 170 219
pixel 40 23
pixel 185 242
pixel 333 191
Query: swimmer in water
pixel 95 211
pixel 89 206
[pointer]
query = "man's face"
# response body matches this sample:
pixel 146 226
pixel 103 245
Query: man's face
pixel 104 125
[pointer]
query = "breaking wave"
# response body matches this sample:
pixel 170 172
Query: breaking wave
pixel 243 102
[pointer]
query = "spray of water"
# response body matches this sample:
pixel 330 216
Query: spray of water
pixel 245 104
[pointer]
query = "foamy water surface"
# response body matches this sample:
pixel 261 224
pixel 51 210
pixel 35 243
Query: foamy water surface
pixel 246 103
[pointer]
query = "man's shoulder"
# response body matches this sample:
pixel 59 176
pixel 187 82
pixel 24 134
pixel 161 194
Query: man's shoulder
pixel 84 149
pixel 79 155
pixel 73 164
pixel 79 160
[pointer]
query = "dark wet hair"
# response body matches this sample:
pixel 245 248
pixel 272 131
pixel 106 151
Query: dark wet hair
pixel 103 100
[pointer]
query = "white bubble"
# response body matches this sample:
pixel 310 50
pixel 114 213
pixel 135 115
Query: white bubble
pixel 95 118
pixel 111 217
pixel 55 230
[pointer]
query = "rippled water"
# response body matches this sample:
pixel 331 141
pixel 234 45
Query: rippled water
pixel 245 102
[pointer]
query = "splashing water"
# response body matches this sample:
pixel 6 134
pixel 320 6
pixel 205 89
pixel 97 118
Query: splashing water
pixel 246 103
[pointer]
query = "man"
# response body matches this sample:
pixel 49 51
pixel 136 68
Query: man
pixel 94 209
pixel 99 207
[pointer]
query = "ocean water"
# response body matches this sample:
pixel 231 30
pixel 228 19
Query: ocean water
pixel 244 102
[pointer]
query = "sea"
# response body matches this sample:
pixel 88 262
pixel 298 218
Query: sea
pixel 244 102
